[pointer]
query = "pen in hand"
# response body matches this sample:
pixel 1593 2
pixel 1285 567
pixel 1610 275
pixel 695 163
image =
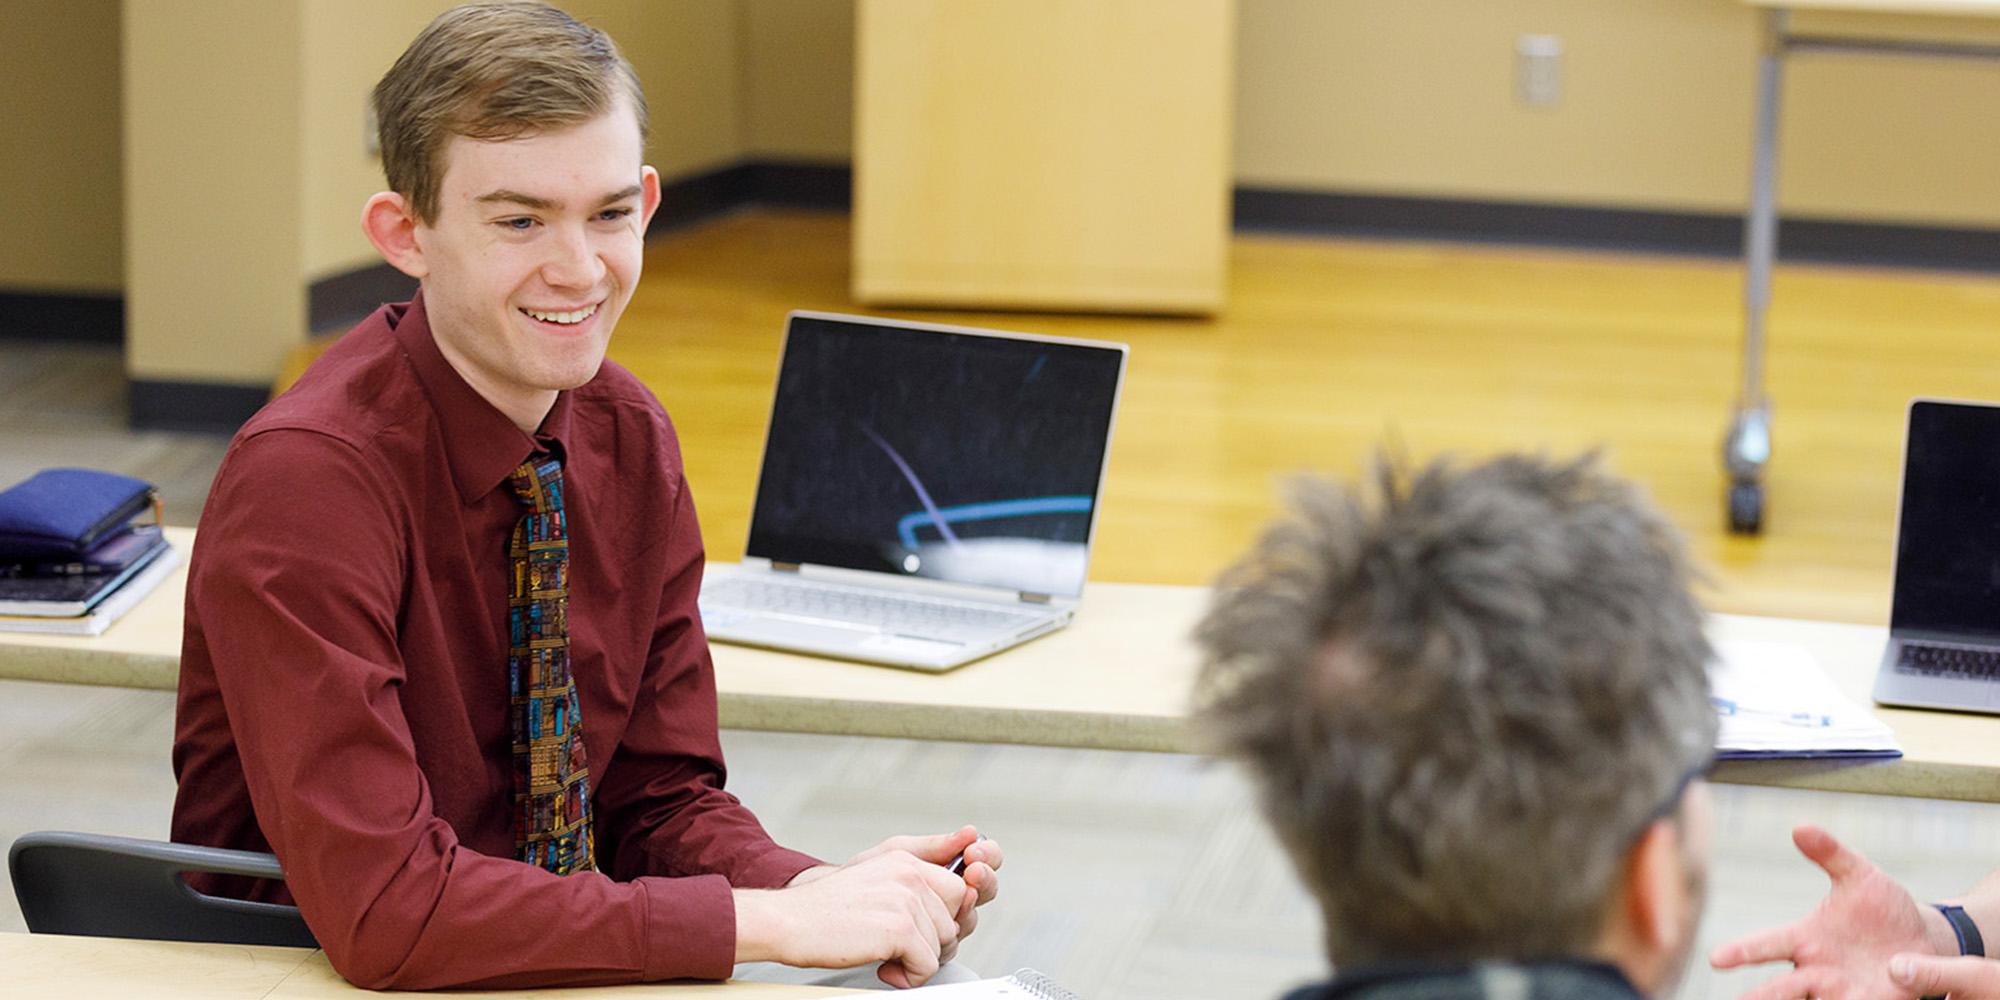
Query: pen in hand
pixel 957 866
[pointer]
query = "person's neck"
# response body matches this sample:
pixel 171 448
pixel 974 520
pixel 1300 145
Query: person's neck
pixel 527 414
pixel 1645 968
pixel 526 408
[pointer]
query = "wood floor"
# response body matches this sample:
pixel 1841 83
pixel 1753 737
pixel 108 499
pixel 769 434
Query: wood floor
pixel 1148 876
pixel 1332 349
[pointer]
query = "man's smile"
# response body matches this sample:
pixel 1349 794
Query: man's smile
pixel 565 317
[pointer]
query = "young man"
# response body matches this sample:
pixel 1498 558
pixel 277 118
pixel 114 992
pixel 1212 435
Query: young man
pixel 1477 712
pixel 442 654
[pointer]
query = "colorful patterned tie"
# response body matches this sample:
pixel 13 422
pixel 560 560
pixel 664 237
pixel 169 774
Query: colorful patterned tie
pixel 551 783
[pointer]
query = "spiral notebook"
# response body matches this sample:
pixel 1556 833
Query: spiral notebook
pixel 1025 984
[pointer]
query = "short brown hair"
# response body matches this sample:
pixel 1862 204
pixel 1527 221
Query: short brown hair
pixel 1461 693
pixel 492 71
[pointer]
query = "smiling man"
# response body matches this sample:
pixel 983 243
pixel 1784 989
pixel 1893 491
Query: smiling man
pixel 443 655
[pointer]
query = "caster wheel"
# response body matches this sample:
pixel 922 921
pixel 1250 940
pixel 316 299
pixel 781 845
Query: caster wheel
pixel 1746 508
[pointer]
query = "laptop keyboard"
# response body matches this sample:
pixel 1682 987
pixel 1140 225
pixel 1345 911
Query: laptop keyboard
pixel 1948 661
pixel 888 612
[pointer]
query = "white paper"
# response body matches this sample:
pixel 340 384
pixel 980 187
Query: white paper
pixel 1772 697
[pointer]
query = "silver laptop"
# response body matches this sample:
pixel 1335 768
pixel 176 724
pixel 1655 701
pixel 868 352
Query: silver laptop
pixel 928 493
pixel 1944 622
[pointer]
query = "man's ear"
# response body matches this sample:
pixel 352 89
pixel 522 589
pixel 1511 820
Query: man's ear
pixel 1656 889
pixel 649 196
pixel 392 227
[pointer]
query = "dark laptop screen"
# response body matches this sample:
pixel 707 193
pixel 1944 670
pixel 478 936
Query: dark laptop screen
pixel 957 456
pixel 1948 544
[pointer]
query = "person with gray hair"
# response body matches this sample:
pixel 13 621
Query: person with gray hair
pixel 1474 700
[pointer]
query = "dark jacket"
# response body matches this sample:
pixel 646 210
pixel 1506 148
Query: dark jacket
pixel 1485 981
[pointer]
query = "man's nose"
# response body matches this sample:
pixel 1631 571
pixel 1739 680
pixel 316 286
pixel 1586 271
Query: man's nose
pixel 572 261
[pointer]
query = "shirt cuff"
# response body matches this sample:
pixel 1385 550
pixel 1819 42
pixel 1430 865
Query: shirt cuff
pixel 690 928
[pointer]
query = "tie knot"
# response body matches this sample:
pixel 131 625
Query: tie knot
pixel 538 485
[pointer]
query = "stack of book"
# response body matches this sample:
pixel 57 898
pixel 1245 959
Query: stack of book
pixel 74 554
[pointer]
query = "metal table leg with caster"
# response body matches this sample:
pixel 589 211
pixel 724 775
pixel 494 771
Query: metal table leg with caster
pixel 1747 448
pixel 1744 453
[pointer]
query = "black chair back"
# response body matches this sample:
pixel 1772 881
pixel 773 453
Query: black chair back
pixel 104 886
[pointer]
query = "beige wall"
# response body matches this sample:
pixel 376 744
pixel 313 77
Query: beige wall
pixel 212 189
pixel 237 204
pixel 59 164
pixel 346 45
pixel 798 79
pixel 685 53
pixel 1417 98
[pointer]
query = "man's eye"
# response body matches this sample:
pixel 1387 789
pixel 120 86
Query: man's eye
pixel 520 225
pixel 613 214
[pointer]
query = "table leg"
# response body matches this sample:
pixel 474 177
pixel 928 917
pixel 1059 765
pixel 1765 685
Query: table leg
pixel 1747 448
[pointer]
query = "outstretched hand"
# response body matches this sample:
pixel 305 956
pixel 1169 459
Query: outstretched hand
pixel 1842 949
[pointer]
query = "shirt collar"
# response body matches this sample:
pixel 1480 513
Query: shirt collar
pixel 1406 978
pixel 483 447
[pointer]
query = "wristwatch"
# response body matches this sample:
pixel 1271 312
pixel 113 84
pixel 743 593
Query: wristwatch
pixel 1969 941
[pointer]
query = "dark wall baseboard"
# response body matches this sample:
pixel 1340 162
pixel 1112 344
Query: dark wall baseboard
pixel 697 199
pixel 703 196
pixel 342 300
pixel 1711 234
pixel 803 185
pixel 207 407
pixel 65 318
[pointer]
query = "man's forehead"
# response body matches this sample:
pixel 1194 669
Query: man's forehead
pixel 593 162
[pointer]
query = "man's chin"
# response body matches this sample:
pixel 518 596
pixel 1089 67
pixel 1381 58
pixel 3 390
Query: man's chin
pixel 565 381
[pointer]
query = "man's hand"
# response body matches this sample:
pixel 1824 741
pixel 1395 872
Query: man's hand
pixel 889 908
pixel 894 903
pixel 1841 950
pixel 1968 978
pixel 982 868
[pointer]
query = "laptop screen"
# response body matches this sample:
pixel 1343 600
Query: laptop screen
pixel 1948 542
pixel 956 455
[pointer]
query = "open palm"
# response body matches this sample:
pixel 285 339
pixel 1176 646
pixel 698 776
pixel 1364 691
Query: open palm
pixel 1841 950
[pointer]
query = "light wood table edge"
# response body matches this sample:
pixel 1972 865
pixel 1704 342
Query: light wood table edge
pixel 1867 777
pixel 958 723
pixel 70 965
pixel 1941 8
pixel 83 665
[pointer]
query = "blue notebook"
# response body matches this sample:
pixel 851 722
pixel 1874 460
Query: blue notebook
pixel 64 513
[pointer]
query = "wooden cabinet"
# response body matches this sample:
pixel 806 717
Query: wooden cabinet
pixel 1043 154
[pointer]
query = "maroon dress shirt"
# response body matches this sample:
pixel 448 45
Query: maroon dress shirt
pixel 343 688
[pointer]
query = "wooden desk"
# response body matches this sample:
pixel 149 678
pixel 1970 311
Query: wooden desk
pixel 1116 679
pixel 52 965
pixel 1953 8
pixel 142 649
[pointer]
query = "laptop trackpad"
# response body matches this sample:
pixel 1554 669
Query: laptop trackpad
pixel 900 646
pixel 827 637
